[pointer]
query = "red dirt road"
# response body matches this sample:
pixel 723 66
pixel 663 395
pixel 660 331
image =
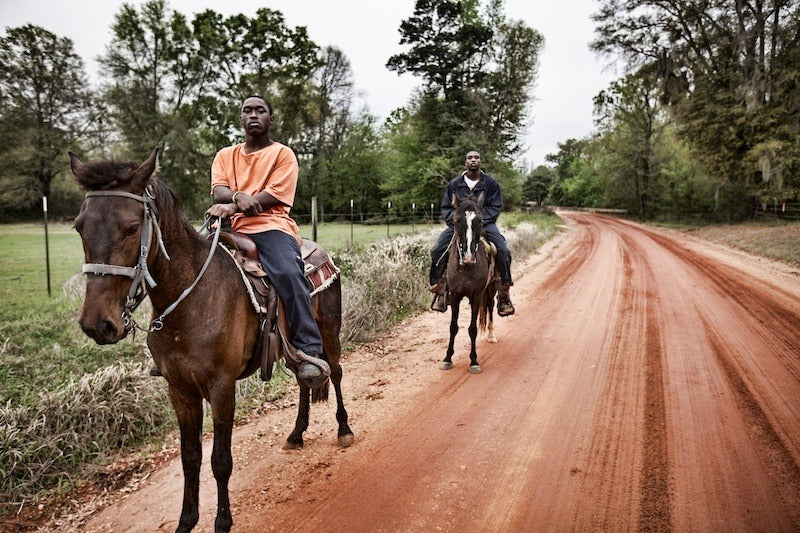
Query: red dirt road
pixel 648 381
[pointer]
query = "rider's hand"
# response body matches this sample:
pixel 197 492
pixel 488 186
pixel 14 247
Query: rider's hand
pixel 247 204
pixel 221 210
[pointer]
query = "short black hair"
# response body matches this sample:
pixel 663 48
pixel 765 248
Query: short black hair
pixel 269 106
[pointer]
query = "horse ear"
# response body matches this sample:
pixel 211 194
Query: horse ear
pixel 146 170
pixel 75 164
pixel 454 200
pixel 479 201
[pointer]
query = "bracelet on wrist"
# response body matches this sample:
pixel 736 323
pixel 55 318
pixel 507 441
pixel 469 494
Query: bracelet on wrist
pixel 233 198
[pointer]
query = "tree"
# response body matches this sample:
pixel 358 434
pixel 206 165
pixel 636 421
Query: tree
pixel 477 71
pixel 730 71
pixel 537 184
pixel 630 108
pixel 158 73
pixel 45 103
pixel 179 86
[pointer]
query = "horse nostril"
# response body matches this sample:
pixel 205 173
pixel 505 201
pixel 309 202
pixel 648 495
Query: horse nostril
pixel 103 331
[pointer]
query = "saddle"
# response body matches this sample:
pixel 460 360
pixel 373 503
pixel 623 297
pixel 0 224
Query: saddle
pixel 272 343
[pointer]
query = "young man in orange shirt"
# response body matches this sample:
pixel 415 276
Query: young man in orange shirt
pixel 254 185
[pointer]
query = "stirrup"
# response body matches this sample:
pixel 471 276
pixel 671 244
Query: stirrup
pixel 439 303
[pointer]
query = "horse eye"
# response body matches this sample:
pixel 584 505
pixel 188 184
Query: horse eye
pixel 132 229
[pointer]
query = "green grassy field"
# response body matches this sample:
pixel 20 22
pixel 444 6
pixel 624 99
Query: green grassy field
pixel 23 264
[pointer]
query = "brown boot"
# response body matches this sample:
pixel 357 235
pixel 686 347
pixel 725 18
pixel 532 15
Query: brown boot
pixel 439 289
pixel 504 305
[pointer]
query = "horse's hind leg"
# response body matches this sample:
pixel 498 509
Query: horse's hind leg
pixel 474 367
pixel 489 299
pixel 223 403
pixel 447 362
pixel 189 411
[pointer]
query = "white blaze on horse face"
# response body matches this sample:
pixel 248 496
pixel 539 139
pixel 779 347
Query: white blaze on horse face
pixel 470 216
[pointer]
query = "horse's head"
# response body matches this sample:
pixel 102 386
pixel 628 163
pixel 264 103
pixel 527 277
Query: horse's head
pixel 111 225
pixel 468 227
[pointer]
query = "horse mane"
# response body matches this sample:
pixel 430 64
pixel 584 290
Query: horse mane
pixel 105 175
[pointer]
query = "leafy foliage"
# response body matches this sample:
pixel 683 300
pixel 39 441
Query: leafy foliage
pixel 45 108
pixel 477 70
pixel 729 71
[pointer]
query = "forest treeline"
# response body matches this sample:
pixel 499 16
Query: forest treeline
pixel 705 122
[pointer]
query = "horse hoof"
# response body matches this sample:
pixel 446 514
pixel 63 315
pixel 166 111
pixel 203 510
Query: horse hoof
pixel 445 365
pixel 346 440
pixel 289 445
pixel 474 369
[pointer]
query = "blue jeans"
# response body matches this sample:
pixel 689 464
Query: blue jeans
pixel 280 257
pixel 493 235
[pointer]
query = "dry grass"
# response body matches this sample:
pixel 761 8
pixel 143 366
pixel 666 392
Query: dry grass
pixel 776 241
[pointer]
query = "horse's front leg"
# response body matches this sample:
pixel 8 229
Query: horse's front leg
pixel 295 439
pixel 189 411
pixel 223 404
pixel 475 304
pixel 447 363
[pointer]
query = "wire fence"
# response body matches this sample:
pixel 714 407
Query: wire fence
pixel 782 210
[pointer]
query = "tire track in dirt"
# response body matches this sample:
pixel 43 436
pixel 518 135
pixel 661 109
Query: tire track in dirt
pixel 781 463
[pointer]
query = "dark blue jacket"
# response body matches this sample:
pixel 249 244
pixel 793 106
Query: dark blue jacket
pixel 492 197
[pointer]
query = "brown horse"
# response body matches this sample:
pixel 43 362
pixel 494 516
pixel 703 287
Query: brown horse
pixel 134 233
pixel 471 275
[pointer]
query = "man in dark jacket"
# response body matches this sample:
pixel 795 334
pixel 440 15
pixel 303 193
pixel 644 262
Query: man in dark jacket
pixel 472 181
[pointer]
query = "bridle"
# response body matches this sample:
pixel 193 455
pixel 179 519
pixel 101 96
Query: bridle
pixel 140 275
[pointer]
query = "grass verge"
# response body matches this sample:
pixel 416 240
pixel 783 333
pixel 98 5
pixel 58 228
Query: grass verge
pixel 68 403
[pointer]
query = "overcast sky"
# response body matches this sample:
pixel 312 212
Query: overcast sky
pixel 367 32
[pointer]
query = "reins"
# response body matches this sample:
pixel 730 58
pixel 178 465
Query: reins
pixel 140 274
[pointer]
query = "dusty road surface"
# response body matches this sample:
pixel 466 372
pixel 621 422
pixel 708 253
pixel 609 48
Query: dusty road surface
pixel 648 381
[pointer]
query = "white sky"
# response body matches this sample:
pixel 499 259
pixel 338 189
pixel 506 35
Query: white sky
pixel 367 32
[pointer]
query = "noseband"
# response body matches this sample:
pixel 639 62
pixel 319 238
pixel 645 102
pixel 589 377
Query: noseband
pixel 140 274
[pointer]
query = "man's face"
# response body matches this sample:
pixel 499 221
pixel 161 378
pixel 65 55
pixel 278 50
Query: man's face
pixel 256 117
pixel 473 161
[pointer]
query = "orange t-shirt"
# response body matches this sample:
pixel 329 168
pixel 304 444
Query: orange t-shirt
pixel 272 169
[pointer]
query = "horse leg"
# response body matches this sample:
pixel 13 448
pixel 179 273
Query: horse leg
pixel 345 433
pixel 447 363
pixel 223 403
pixel 474 303
pixel 189 411
pixel 489 299
pixel 295 438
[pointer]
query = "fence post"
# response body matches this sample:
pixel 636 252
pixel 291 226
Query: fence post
pixel 351 222
pixel 314 218
pixel 46 243
pixel 388 216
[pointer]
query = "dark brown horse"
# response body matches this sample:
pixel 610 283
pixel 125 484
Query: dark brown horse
pixel 470 274
pixel 134 233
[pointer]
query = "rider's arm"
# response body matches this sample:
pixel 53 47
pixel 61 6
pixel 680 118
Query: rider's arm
pixel 447 206
pixel 492 203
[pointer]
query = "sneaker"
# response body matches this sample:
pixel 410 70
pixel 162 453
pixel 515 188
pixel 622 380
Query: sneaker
pixel 505 308
pixel 439 303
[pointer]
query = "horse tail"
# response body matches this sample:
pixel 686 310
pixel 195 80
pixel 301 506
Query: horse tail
pixel 320 394
pixel 483 314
